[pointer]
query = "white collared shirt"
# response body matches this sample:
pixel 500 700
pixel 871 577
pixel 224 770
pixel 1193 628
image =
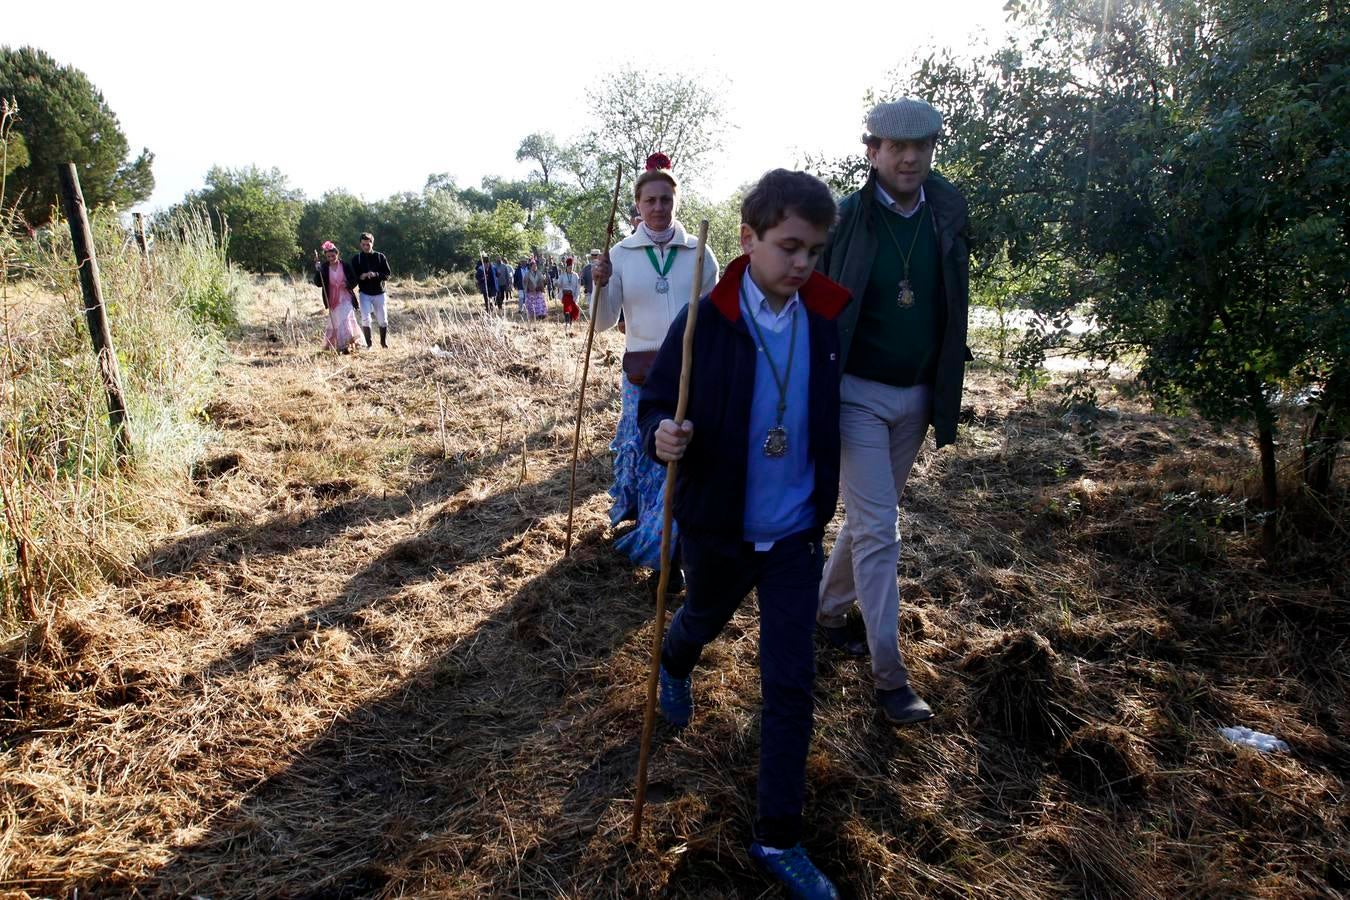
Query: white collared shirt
pixel 889 202
pixel 759 306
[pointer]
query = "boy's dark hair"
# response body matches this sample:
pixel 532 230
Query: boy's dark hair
pixel 782 192
pixel 367 236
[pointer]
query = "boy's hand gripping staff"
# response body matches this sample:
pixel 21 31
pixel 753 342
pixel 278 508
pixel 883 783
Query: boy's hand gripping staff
pixel 659 626
pixel 585 370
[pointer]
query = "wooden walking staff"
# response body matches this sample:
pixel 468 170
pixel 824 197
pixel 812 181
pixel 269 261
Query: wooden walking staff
pixel 586 368
pixel 482 261
pixel 667 519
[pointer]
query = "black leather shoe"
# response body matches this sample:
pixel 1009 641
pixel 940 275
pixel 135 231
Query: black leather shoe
pixel 902 706
pixel 675 585
pixel 844 638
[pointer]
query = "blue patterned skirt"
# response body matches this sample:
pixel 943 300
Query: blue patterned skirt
pixel 639 488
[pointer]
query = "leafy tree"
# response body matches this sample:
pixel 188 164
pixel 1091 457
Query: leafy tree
pixel 477 199
pixel 422 233
pixel 337 216
pixel 501 232
pixel 64 118
pixel 847 173
pixel 583 193
pixel 261 212
pixel 528 195
pixel 583 215
pixel 15 152
pixel 588 166
pixel 440 181
pixel 724 222
pixel 640 114
pixel 543 151
pixel 1182 167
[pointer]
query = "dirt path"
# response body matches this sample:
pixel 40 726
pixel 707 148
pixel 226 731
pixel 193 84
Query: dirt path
pixel 350 646
pixel 368 669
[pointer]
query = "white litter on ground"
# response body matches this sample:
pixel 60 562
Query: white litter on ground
pixel 437 352
pixel 1260 740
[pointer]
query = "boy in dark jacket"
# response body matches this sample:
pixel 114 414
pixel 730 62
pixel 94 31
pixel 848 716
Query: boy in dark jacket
pixel 758 481
pixel 372 270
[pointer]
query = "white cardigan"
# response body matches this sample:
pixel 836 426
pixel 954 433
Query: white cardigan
pixel 646 314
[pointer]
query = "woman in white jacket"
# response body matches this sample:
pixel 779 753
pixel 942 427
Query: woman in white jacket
pixel 647 276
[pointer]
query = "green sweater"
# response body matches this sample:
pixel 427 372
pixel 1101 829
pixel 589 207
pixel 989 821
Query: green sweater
pixel 894 344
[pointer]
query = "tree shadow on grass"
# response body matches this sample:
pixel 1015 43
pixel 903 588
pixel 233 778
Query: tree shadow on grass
pixel 286 533
pixel 475 531
pixel 430 760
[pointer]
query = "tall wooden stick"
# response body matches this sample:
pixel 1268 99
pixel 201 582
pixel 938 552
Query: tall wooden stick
pixel 667 518
pixel 586 369
pixel 147 264
pixel 482 261
pixel 440 401
pixel 95 313
pixel 139 226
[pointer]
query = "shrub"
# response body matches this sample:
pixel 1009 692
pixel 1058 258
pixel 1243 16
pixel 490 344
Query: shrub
pixel 70 512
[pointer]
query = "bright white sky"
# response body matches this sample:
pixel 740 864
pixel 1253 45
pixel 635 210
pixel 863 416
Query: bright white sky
pixel 374 97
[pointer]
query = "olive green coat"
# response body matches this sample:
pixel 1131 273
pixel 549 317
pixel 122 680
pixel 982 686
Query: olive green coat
pixel 848 260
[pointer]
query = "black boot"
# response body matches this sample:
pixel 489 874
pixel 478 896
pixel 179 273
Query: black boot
pixel 365 329
pixel 384 336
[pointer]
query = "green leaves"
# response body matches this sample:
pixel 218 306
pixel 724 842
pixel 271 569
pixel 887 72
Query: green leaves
pixel 15 152
pixel 63 118
pixel 1178 167
pixel 501 232
pixel 639 114
pixel 541 149
pixel 259 212
pixel 724 222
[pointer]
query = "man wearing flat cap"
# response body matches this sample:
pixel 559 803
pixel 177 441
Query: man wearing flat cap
pixel 901 247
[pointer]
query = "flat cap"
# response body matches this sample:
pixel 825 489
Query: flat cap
pixel 905 119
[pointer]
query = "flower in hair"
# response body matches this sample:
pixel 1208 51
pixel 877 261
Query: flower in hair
pixel 658 161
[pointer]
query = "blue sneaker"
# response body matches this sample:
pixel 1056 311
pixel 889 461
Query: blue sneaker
pixel 796 871
pixel 677 699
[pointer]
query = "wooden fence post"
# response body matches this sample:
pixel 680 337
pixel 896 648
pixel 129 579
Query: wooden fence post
pixel 95 314
pixel 147 264
pixel 139 219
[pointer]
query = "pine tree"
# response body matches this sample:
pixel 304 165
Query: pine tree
pixel 63 118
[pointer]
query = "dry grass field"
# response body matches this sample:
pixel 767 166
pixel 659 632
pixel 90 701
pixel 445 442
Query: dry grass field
pixel 363 667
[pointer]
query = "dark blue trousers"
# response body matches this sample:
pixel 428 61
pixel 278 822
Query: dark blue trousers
pixel 787 577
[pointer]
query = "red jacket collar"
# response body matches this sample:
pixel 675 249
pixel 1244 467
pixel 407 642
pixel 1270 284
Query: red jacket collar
pixel 819 294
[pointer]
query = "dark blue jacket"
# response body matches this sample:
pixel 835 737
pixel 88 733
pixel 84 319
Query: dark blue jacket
pixel 479 275
pixel 710 487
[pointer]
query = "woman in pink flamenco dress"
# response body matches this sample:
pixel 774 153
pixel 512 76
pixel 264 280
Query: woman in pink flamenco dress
pixel 334 274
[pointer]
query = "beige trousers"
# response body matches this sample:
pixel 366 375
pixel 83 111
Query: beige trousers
pixel 881 430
